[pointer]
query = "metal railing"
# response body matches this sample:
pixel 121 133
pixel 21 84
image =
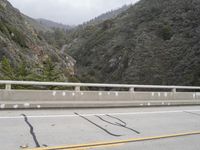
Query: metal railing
pixel 8 85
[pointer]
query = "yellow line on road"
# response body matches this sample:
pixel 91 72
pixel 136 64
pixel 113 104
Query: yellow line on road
pixel 104 144
pixel 86 148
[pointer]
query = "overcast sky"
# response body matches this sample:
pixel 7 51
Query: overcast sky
pixel 71 12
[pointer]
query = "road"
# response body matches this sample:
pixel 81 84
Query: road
pixel 41 128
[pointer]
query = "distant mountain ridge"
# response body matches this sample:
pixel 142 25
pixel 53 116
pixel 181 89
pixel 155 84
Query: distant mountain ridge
pixel 36 25
pixel 52 24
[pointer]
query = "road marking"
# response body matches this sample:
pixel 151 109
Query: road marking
pixel 90 115
pixel 103 144
pixel 95 124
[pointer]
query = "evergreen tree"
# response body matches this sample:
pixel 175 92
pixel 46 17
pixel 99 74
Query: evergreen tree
pixel 7 71
pixel 49 72
pixel 23 72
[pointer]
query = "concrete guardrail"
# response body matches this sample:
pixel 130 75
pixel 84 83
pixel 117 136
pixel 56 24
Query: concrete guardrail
pixel 151 95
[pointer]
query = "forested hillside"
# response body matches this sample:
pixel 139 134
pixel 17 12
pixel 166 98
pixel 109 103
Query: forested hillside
pixel 60 34
pixel 24 54
pixel 153 42
pixel 108 15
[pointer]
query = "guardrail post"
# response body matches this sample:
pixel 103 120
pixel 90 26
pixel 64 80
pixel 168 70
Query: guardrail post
pixel 174 90
pixel 8 87
pixel 77 88
pixel 132 89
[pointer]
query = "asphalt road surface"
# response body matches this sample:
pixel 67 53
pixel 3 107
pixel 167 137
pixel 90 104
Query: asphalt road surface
pixel 158 128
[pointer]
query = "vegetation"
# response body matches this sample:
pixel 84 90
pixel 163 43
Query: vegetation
pixel 107 16
pixel 1 8
pixel 60 33
pixel 12 33
pixel 7 72
pixel 17 36
pixel 23 51
pixel 4 29
pixel 48 72
pixel 153 42
pixel 22 72
pixel 57 37
pixel 165 32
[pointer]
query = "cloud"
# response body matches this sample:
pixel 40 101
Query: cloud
pixel 67 11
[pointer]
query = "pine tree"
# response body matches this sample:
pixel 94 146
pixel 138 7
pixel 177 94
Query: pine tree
pixel 49 72
pixel 7 71
pixel 23 72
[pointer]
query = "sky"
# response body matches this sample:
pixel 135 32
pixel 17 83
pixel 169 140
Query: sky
pixel 71 12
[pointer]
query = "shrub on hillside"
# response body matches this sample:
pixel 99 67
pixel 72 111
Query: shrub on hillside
pixel 165 32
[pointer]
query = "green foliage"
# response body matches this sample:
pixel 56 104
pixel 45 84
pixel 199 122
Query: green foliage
pixel 7 72
pixel 13 33
pixel 1 8
pixel 17 36
pixel 4 29
pixel 166 32
pixel 153 42
pixel 23 72
pixel 19 41
pixel 73 79
pixel 107 24
pixel 56 38
pixel 88 78
pixel 49 72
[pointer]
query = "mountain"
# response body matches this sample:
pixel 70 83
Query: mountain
pixel 37 25
pixel 108 15
pixel 52 24
pixel 153 42
pixel 54 33
pixel 21 45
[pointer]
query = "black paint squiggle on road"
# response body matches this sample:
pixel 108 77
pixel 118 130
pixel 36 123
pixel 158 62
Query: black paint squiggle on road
pixel 192 113
pixel 96 125
pixel 31 130
pixel 122 124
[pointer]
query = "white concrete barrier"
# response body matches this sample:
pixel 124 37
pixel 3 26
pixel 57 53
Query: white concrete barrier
pixel 12 98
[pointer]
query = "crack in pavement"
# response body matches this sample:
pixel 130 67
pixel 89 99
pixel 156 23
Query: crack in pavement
pixel 122 124
pixel 31 130
pixel 105 130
